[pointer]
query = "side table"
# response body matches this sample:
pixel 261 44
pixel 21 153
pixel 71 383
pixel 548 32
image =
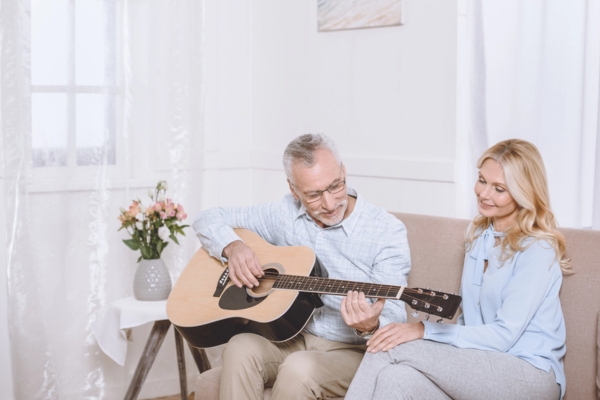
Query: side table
pixel 110 327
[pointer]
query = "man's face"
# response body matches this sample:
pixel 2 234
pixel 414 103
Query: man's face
pixel 327 172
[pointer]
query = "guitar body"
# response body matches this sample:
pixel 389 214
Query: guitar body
pixel 278 315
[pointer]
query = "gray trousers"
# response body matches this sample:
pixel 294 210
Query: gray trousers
pixel 423 369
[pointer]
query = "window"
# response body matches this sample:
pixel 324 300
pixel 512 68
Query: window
pixel 74 82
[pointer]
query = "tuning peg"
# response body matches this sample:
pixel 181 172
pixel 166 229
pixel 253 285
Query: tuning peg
pixel 415 314
pixel 427 317
pixel 433 294
pixel 453 293
pixel 420 291
pixel 427 305
pixel 439 309
pixel 445 297
pixel 428 288
pixel 440 321
pixel 414 302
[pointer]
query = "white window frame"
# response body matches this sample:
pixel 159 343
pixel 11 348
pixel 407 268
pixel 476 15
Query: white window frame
pixel 73 177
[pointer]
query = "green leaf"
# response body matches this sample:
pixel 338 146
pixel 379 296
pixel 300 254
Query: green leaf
pixel 179 230
pixel 165 244
pixel 173 238
pixel 132 244
pixel 146 252
pixel 159 246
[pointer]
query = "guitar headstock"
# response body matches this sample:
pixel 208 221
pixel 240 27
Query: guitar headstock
pixel 431 301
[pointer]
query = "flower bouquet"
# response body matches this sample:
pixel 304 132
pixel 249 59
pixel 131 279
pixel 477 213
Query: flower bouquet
pixel 151 226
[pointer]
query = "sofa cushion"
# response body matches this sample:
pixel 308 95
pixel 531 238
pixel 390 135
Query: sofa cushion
pixel 580 302
pixel 436 252
pixel 436 245
pixel 598 355
pixel 208 384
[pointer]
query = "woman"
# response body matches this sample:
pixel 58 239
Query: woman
pixel 509 342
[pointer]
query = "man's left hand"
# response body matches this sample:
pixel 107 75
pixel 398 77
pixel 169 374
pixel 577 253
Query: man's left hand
pixel 359 314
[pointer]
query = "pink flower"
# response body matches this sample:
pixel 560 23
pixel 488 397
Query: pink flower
pixel 150 225
pixel 134 209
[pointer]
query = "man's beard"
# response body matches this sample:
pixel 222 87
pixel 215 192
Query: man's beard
pixel 342 205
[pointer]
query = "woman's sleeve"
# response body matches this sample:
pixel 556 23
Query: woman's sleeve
pixel 536 271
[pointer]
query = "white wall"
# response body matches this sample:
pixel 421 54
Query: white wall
pixel 386 95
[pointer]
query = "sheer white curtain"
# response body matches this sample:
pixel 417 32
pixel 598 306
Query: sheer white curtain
pixel 100 99
pixel 531 70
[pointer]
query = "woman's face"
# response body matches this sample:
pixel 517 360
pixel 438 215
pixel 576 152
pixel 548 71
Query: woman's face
pixel 493 199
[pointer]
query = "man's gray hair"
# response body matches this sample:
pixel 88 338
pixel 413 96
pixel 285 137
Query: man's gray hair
pixel 302 150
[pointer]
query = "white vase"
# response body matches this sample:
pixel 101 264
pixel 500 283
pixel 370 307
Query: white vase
pixel 152 281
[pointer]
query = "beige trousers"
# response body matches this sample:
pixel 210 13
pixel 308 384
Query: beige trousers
pixel 305 367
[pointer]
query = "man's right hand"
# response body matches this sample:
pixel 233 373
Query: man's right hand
pixel 244 266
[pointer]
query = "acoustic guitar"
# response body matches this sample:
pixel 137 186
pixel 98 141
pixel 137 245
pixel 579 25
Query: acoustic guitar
pixel 208 310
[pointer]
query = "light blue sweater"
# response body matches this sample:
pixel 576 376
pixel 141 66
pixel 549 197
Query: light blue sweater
pixel 513 308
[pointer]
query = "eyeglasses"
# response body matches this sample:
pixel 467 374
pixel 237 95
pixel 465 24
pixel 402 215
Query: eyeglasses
pixel 317 194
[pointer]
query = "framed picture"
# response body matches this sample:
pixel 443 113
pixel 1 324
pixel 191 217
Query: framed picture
pixel 355 14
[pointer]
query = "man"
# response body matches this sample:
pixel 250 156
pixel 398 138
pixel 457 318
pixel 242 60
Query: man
pixel 353 240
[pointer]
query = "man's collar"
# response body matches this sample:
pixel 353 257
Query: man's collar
pixel 349 223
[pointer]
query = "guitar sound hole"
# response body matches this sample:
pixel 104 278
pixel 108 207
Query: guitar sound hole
pixel 265 284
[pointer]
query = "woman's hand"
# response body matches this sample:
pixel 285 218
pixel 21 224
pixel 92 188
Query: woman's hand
pixel 392 335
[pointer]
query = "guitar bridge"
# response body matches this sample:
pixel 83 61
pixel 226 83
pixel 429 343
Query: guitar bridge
pixel 222 283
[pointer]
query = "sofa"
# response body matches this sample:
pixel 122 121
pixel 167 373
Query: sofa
pixel 437 258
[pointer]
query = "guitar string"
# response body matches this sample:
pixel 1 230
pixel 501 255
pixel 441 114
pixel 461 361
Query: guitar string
pixel 327 285
pixel 427 292
pixel 318 284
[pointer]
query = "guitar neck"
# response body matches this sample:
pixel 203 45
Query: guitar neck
pixel 339 287
pixel 427 300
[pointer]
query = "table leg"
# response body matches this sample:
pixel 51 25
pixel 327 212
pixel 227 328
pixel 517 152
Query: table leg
pixel 200 358
pixel 181 365
pixel 157 335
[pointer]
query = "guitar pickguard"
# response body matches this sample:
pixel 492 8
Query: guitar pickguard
pixel 235 298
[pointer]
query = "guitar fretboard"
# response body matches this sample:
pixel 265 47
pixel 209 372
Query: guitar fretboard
pixel 334 286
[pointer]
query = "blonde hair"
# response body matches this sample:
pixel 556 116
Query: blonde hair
pixel 525 176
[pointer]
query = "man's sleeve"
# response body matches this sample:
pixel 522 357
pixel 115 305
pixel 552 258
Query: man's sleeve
pixel 215 227
pixel 391 267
